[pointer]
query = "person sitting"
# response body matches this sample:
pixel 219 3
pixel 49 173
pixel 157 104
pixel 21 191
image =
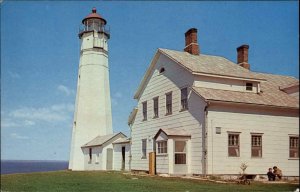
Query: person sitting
pixel 277 172
pixel 271 175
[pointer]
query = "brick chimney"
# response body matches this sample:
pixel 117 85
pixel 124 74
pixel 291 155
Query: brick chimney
pixel 191 45
pixel 242 56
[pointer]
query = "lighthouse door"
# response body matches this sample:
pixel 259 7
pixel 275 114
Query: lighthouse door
pixel 109 159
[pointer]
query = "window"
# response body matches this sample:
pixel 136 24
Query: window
pixel 144 148
pixel 90 154
pixel 249 86
pixel 180 152
pixel 233 145
pixel 162 70
pixel 294 147
pixel 256 146
pixel 145 111
pixel 97 158
pixel 162 147
pixel 155 107
pixel 184 101
pixel 169 103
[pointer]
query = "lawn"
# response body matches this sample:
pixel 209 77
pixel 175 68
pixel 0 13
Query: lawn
pixel 117 181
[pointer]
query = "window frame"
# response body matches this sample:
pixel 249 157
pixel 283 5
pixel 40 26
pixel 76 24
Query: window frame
pixel 144 150
pixel 233 145
pixel 156 108
pixel 144 107
pixel 169 103
pixel 256 145
pixel 184 99
pixel 184 152
pixel 162 147
pixel 249 86
pixel 294 148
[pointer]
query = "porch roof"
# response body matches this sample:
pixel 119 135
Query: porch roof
pixel 173 132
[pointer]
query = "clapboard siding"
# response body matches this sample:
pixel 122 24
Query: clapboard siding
pixel 276 125
pixel 162 164
pixel 117 165
pixel 172 80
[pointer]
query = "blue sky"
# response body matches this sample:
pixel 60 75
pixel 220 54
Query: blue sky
pixel 40 57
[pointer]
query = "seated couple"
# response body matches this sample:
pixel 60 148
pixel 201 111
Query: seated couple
pixel 276 173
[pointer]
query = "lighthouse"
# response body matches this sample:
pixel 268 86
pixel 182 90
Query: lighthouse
pixel 92 116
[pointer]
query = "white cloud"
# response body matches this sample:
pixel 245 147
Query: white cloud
pixel 11 123
pixel 14 75
pixel 54 113
pixel 16 136
pixel 29 123
pixel 116 96
pixel 7 123
pixel 114 102
pixel 67 91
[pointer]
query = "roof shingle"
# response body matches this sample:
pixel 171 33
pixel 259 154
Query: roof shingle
pixel 100 140
pixel 208 64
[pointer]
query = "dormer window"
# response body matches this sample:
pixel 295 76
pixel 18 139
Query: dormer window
pixel 161 70
pixel 249 86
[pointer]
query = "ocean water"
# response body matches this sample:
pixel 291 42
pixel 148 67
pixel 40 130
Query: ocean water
pixel 26 166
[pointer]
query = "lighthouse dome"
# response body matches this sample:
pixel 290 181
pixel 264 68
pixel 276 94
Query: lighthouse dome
pixel 94 15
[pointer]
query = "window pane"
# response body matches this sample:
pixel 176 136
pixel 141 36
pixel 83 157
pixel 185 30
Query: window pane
pixel 233 145
pixel 162 146
pixel 256 146
pixel 180 158
pixel 145 110
pixel 155 106
pixel 169 103
pixel 144 147
pixel 184 96
pixel 294 147
pixel 180 146
pixel 184 93
pixel 249 86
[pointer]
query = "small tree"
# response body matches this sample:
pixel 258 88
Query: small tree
pixel 243 167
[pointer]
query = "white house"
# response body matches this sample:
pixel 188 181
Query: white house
pixel 203 114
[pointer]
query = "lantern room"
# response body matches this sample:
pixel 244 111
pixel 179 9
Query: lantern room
pixel 94 22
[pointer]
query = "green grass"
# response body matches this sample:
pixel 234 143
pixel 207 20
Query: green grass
pixel 116 181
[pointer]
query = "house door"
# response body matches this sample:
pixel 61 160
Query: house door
pixel 109 159
pixel 123 158
pixel 180 157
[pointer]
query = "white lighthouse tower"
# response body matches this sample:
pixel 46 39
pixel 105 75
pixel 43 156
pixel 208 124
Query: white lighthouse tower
pixel 92 115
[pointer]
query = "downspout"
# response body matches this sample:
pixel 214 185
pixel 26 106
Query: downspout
pixel 205 141
pixel 130 142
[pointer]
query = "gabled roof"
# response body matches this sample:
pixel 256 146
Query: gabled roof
pixel 173 132
pixel 101 140
pixel 208 64
pixel 271 95
pixel 200 65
